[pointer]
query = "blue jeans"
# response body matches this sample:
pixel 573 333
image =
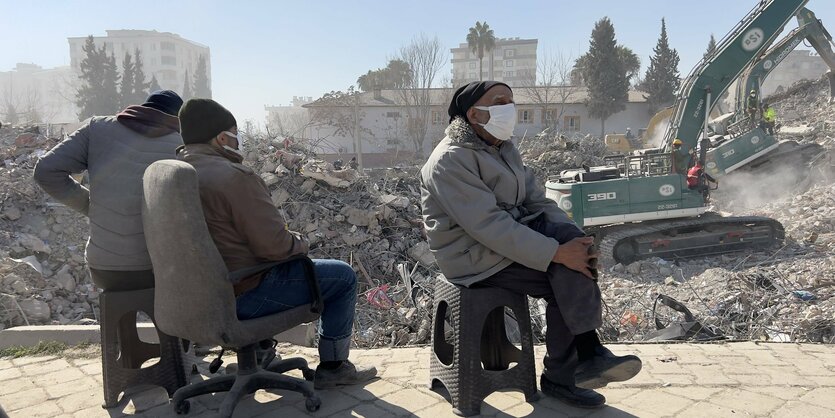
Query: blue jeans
pixel 285 287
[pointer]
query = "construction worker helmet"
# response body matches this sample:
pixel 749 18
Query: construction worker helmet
pixel 753 92
pixel 677 142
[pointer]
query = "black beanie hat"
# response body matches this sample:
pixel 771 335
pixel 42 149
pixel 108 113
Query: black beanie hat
pixel 165 101
pixel 203 119
pixel 466 96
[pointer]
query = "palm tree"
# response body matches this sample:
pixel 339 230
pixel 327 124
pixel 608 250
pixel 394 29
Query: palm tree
pixel 481 40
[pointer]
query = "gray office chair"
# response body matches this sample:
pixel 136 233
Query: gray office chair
pixel 194 298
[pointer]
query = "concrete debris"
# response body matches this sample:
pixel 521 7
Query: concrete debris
pixel 372 220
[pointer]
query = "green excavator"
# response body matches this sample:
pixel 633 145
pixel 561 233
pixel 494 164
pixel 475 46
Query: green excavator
pixel 638 207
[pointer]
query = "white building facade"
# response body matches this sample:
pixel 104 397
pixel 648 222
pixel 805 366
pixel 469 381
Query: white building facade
pixel 382 119
pixel 38 95
pixel 798 65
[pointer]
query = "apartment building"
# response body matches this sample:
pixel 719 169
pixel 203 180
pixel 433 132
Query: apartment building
pixel 166 55
pixel 512 61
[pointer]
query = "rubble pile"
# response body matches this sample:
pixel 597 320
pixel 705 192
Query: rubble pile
pixel 550 153
pixel 784 294
pixel 43 276
pixel 372 220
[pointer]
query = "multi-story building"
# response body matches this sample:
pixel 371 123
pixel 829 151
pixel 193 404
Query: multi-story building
pixel 512 61
pixel 798 65
pixel 38 95
pixel 164 55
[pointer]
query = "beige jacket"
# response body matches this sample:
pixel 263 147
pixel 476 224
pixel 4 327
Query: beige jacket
pixel 244 224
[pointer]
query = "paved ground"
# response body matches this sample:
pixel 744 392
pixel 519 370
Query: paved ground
pixel 682 380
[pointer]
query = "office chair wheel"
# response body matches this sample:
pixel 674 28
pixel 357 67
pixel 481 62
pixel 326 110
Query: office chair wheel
pixel 183 407
pixel 308 374
pixel 312 404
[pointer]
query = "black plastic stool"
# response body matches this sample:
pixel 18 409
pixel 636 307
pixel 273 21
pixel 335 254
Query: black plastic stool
pixel 123 353
pixel 476 361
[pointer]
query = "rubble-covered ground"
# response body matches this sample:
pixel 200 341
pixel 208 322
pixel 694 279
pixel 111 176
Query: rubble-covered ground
pixel 373 222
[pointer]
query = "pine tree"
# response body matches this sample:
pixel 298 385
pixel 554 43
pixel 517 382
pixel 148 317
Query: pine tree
pixel 187 88
pixel 89 94
pixel 154 85
pixel 711 48
pixel 202 86
pixel 110 90
pixel 605 74
pixel 662 78
pixel 140 86
pixel 126 88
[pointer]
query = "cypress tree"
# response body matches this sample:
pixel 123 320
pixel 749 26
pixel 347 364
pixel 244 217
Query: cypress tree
pixel 202 86
pixel 126 88
pixel 662 78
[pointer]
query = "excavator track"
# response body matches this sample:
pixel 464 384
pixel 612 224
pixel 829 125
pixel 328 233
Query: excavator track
pixel 709 234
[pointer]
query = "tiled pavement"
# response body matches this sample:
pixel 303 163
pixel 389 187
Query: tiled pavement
pixel 682 380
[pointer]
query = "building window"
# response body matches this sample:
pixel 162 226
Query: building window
pixel 473 75
pixel 508 74
pixel 166 60
pixel 153 46
pixel 508 53
pixel 549 116
pixel 437 118
pixel 508 63
pixel 169 75
pixel 167 46
pixel 572 123
pixel 392 114
pixel 472 66
pixel 153 61
pixel 525 116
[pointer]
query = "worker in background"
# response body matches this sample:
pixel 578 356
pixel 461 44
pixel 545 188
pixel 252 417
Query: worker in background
pixel 353 163
pixel 698 180
pixel 681 158
pixel 769 118
pixel 752 106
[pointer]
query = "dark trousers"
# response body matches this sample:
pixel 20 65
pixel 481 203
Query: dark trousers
pixel 573 303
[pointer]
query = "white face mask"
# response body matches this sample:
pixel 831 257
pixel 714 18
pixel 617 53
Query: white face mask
pixel 502 120
pixel 240 138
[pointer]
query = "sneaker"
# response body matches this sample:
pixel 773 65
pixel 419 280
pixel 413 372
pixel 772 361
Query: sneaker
pixel 572 395
pixel 605 368
pixel 345 374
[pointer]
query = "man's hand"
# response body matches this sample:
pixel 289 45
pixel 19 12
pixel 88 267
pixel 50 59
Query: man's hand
pixel 575 255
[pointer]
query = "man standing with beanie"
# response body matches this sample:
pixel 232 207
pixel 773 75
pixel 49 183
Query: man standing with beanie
pixel 489 224
pixel 248 230
pixel 115 151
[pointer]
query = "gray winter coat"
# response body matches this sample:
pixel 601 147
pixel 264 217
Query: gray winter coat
pixel 115 158
pixel 476 200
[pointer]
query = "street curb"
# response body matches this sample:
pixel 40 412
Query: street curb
pixel 30 336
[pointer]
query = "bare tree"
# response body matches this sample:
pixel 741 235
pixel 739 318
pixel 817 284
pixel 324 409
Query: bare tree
pixel 425 56
pixel 552 86
pixel 293 122
pixel 342 111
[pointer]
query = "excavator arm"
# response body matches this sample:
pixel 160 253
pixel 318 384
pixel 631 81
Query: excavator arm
pixel 809 28
pixel 714 74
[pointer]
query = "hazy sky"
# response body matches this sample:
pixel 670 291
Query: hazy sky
pixel 265 52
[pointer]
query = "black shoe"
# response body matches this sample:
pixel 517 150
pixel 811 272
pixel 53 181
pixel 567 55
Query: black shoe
pixel 605 368
pixel 572 395
pixel 346 374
